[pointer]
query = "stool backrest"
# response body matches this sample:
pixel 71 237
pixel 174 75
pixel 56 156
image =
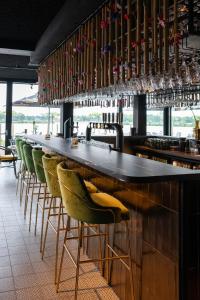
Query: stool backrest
pixel 28 158
pixel 77 200
pixel 50 163
pixel 39 169
pixel 21 144
pixel 18 148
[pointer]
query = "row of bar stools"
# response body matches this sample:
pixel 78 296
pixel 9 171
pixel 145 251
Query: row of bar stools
pixel 96 208
pixel 81 201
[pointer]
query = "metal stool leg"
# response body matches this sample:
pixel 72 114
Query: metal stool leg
pixel 26 194
pixel 130 260
pixel 43 211
pixel 63 252
pixel 57 240
pixel 31 206
pixel 19 177
pixel 80 236
pixel 47 226
pixel 36 216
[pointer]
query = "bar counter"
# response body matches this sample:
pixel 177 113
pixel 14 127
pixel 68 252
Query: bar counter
pixel 121 166
pixel 164 222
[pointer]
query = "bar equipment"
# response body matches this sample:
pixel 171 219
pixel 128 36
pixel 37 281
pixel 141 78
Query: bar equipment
pixel 108 126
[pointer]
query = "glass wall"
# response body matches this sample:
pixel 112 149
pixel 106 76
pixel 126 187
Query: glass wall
pixel 3 91
pixel 85 115
pixel 183 122
pixel 154 122
pixel 28 117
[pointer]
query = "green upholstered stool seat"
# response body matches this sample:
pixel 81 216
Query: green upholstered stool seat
pixel 78 201
pixel 27 148
pixel 21 144
pixel 93 209
pixel 50 163
pixel 39 169
pixel 106 200
pixel 18 147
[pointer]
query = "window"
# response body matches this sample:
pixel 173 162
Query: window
pixel 183 122
pixel 154 122
pixel 127 120
pixel 85 115
pixel 3 91
pixel 28 116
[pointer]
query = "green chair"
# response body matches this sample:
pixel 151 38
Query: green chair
pixel 43 193
pixel 96 208
pixel 23 174
pixel 18 147
pixel 21 144
pixel 50 163
pixel 31 178
pixel 19 158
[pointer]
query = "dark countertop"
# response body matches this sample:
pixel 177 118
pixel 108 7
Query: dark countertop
pixel 123 167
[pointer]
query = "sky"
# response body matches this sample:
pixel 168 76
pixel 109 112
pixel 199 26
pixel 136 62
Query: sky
pixel 20 91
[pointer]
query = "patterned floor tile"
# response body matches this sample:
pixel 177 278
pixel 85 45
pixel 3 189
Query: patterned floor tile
pixel 8 296
pixel 26 281
pixel 5 272
pixel 22 269
pixel 34 293
pixel 6 284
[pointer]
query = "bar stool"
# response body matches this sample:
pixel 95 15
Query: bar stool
pixel 50 163
pixel 50 169
pixel 23 170
pixel 19 158
pixel 31 178
pixel 42 186
pixel 39 169
pixel 97 208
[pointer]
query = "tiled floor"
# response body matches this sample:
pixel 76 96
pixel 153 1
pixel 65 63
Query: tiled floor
pixel 23 275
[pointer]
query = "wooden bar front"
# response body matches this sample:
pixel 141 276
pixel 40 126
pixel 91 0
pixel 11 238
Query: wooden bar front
pixel 164 224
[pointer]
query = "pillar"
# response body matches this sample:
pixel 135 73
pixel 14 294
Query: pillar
pixel 66 112
pixel 139 114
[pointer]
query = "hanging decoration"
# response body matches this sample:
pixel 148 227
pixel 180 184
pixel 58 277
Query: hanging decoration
pixel 125 43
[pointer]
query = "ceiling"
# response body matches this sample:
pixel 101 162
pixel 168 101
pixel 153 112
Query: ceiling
pixel 24 24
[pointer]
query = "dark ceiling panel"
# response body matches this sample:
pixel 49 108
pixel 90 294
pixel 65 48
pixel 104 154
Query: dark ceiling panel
pixel 16 67
pixel 18 75
pixel 22 22
pixel 14 61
